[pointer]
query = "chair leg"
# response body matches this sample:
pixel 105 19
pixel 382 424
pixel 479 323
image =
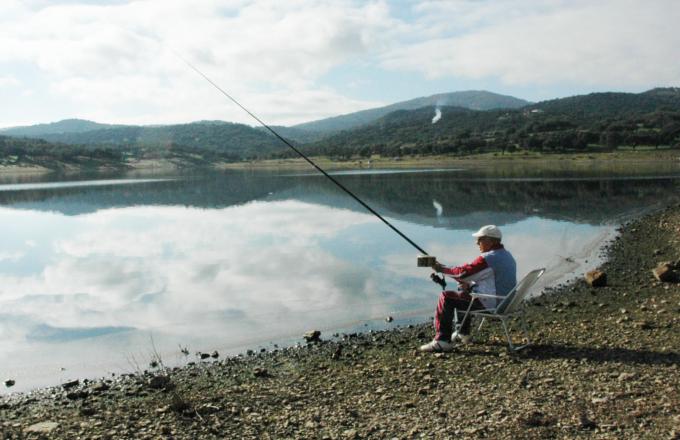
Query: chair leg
pixel 467 316
pixel 526 331
pixel 507 335
pixel 472 327
pixel 511 346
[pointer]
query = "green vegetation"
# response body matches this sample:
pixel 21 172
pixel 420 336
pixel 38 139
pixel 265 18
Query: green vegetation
pixel 471 99
pixel 596 122
pixel 233 140
pixel 581 124
pixel 24 152
pixel 65 126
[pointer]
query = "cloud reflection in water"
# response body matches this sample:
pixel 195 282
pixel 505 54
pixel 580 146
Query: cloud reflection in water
pixel 216 277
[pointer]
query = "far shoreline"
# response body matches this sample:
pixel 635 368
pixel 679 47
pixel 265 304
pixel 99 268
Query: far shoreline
pixel 640 161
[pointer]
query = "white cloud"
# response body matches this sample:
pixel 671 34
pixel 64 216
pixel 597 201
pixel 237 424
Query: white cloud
pixel 8 81
pixel 113 61
pixel 240 258
pixel 606 43
pixel 118 59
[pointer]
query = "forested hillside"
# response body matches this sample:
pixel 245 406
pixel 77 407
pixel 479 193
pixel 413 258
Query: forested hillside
pixel 598 121
pixel 65 126
pixel 471 99
pixel 237 140
pixel 26 152
pixel 601 120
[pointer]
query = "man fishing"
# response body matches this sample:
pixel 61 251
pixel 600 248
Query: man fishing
pixel 494 272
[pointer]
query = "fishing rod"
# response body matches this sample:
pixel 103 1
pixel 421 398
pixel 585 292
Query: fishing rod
pixel 302 155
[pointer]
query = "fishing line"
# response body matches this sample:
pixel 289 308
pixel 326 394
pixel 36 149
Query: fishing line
pixel 302 155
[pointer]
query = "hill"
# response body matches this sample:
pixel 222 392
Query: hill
pixel 611 104
pixel 597 120
pixel 471 99
pixel 238 140
pixel 64 126
pixel 605 120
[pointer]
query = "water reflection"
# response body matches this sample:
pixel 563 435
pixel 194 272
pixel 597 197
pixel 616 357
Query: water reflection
pixel 230 260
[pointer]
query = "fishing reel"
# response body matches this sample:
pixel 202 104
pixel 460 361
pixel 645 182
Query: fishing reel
pixel 439 280
pixel 429 261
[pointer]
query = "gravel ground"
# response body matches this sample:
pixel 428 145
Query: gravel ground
pixel 604 364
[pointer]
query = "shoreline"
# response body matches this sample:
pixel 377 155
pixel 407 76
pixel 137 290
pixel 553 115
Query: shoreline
pixel 560 271
pixel 641 160
pixel 604 363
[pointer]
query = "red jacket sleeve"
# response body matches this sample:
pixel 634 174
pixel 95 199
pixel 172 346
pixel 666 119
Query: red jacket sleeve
pixel 478 265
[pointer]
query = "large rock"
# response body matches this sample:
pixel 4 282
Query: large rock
pixel 70 384
pixel 159 382
pixel 312 336
pixel 42 427
pixel 596 278
pixel 665 272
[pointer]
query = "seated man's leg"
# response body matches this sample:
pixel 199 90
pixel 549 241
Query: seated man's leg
pixel 449 301
pixel 466 323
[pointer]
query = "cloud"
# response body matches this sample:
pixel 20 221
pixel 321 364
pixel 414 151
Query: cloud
pixel 114 61
pixel 11 256
pixel 122 268
pixel 8 81
pixel 111 59
pixel 607 43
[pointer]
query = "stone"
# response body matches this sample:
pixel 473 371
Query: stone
pixel 87 411
pixel 260 372
pixel 665 272
pixel 100 387
pixel 158 382
pixel 350 433
pixel 75 395
pixel 215 354
pixel 204 355
pixel 596 278
pixel 389 319
pixel 208 409
pixel 70 384
pixel 312 336
pixel 643 325
pixel 10 383
pixel 586 423
pixel 42 427
pixel 625 377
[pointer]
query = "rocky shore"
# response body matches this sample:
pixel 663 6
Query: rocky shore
pixel 605 363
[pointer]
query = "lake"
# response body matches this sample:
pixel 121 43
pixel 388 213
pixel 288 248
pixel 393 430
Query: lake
pixel 98 273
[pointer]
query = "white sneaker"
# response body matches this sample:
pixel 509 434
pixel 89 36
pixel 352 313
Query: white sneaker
pixel 464 339
pixel 437 347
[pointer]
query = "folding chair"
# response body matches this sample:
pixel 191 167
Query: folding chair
pixel 511 306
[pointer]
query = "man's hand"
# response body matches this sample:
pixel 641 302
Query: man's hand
pixel 437 267
pixel 464 286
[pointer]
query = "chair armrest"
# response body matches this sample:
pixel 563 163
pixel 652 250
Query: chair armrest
pixel 485 295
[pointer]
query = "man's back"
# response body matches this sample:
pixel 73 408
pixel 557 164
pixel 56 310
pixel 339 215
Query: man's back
pixel 504 268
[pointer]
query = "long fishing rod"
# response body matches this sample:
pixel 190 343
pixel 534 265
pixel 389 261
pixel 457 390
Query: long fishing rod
pixel 302 155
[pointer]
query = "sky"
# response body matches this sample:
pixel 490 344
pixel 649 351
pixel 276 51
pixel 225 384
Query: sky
pixel 293 61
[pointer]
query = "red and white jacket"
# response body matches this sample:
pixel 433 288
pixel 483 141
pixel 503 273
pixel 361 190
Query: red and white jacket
pixel 493 273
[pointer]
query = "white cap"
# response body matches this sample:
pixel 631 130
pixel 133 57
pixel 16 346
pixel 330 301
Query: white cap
pixel 489 231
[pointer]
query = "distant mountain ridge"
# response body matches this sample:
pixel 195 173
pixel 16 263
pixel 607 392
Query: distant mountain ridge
pixel 613 103
pixel 471 99
pixel 63 126
pixel 238 139
pixel 567 124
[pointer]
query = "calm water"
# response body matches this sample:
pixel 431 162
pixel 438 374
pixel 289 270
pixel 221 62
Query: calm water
pixel 91 271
